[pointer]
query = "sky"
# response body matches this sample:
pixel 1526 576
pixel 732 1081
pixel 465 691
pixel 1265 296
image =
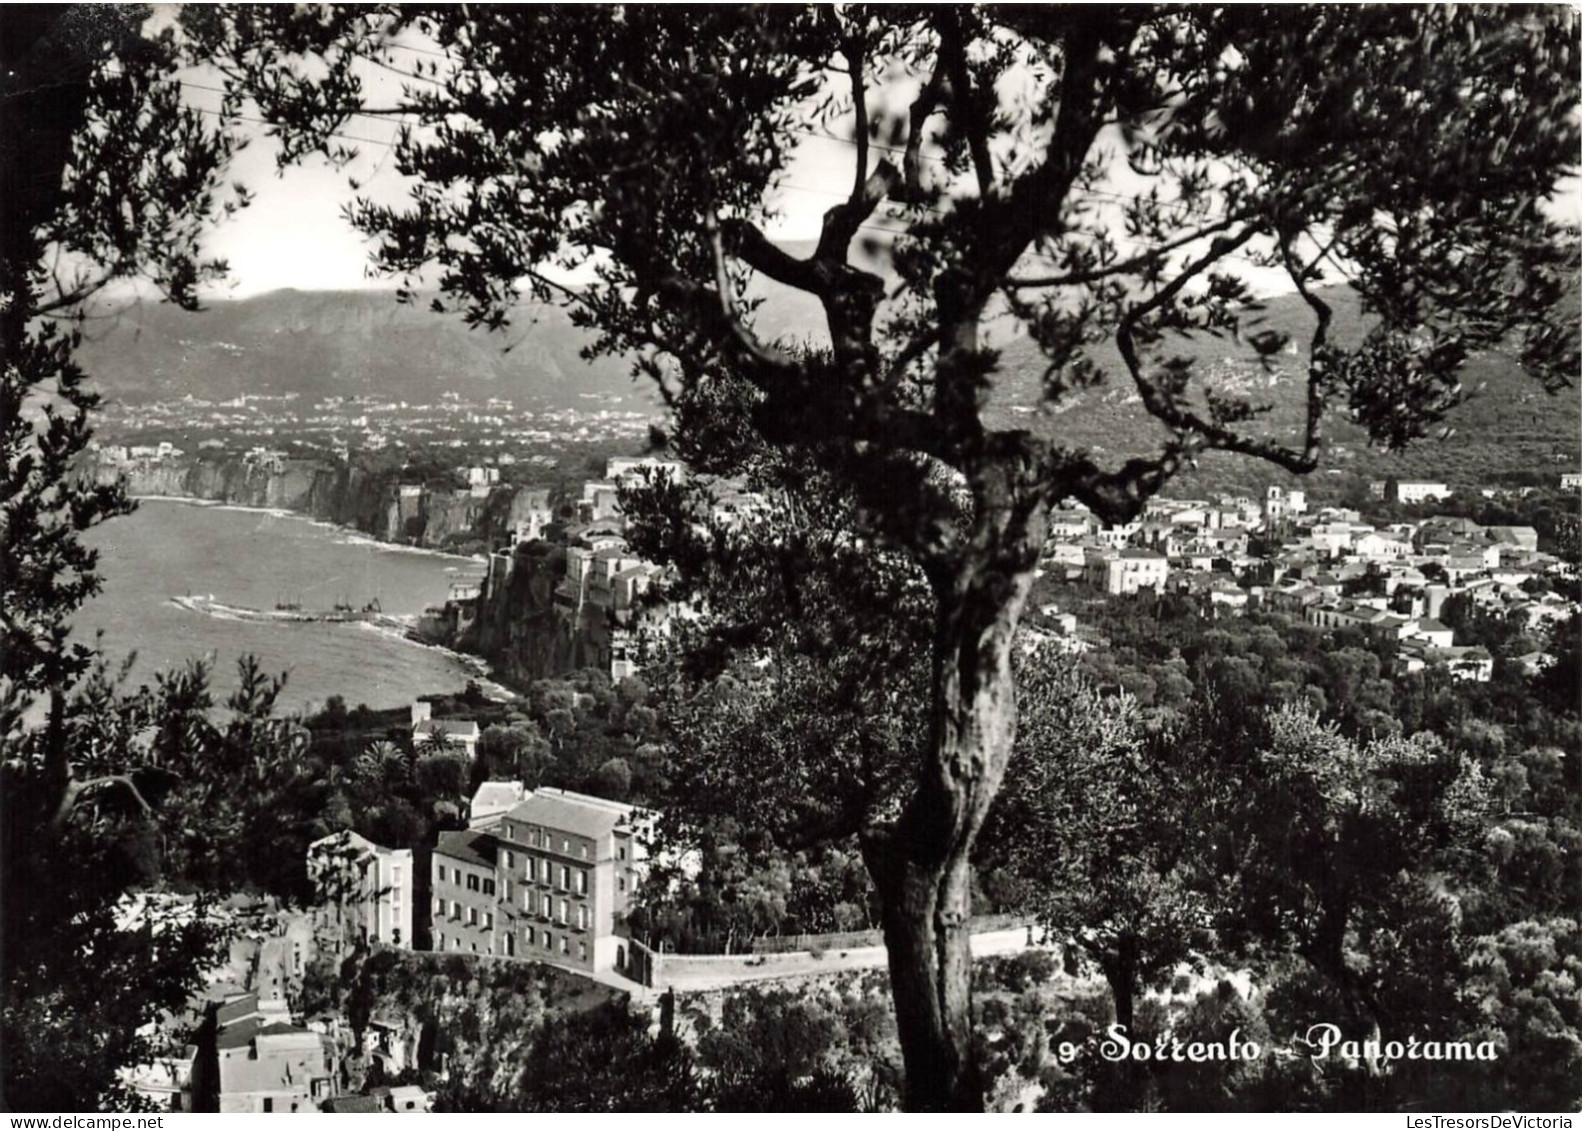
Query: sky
pixel 294 234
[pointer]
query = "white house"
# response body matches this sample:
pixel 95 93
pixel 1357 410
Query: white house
pixel 364 890
pixel 1420 491
pixel 456 734
pixel 1130 571
pixel 493 799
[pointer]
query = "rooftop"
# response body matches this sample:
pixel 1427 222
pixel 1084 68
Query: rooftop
pixel 453 728
pixel 592 818
pixel 468 846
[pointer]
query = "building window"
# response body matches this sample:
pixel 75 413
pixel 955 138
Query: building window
pixel 531 871
pixel 441 869
pixel 582 882
pixel 530 936
pixel 620 883
pixel 441 941
pixel 510 859
pixel 548 907
pixel 565 878
pixel 439 906
pixel 582 916
pixel 565 945
pixel 395 876
pixel 549 941
pixel 488 887
pixel 565 910
pixel 565 845
pixel 488 920
pixel 582 951
pixel 472 916
pixel 583 850
pixel 472 882
pixel 621 854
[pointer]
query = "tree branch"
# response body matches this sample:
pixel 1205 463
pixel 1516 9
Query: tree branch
pixel 953 55
pixel 1171 413
pixel 927 101
pixel 1316 370
pixel 77 790
pixel 851 48
pixel 842 221
pixel 1125 266
pixel 746 242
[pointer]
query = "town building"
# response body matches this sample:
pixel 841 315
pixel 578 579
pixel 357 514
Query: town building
pixel 244 1061
pixel 1418 491
pixel 551 879
pixel 1129 571
pixel 1281 504
pixel 572 863
pixel 493 800
pixel 466 892
pixel 455 735
pixel 364 892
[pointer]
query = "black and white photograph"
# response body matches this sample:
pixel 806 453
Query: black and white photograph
pixel 826 558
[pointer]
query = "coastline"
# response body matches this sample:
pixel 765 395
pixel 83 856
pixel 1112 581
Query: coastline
pixel 353 536
pixel 493 681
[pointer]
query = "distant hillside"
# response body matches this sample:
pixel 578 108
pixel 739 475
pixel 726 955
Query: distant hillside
pixel 363 342
pixel 340 343
pixel 1507 428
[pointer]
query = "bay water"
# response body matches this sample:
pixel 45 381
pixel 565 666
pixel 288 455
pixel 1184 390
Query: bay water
pixel 258 559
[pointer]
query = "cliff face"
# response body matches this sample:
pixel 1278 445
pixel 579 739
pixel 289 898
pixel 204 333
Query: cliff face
pixel 369 501
pixel 518 628
pixel 320 489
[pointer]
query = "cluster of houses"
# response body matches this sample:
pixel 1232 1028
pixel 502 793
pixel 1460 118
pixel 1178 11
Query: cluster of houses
pixel 1326 566
pixel 238 1046
pixel 124 456
pixel 249 1058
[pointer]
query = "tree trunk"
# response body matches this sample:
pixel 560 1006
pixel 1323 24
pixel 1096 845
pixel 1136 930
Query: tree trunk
pixel 922 867
pixel 1120 971
pixel 926 904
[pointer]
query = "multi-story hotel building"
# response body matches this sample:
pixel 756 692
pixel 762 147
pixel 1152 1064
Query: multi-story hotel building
pixel 551 880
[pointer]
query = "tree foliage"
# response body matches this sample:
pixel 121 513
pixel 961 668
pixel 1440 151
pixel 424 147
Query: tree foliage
pixel 104 175
pixel 1100 832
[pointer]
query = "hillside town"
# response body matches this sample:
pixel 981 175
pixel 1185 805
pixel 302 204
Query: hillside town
pixel 1328 566
pixel 790 559
pixel 280 426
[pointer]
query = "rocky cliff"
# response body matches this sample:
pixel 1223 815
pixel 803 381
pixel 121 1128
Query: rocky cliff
pixel 373 502
pixel 518 629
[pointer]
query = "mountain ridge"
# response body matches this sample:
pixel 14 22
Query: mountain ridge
pixel 364 343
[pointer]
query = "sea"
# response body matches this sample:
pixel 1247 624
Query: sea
pixel 261 559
